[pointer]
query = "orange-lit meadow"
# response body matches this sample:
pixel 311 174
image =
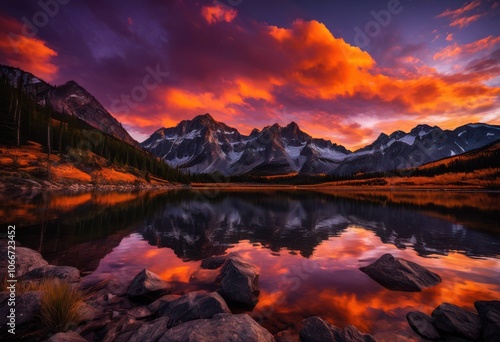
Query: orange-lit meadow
pixel 30 161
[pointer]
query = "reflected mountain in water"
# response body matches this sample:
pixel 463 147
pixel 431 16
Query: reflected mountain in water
pixel 197 227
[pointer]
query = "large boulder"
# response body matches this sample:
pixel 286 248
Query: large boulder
pixel 69 336
pixel 140 312
pixel 489 314
pixel 194 305
pixel 220 328
pixel 213 262
pixel 204 276
pixel 151 331
pixel 66 273
pixel 287 336
pixel 162 302
pixel 26 260
pixel 398 274
pixel 491 327
pixel 238 281
pixel 27 309
pixel 352 334
pixel 147 286
pixel 423 325
pixel 121 329
pixel 315 329
pixel 485 306
pixel 456 321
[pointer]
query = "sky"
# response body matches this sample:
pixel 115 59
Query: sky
pixel 342 70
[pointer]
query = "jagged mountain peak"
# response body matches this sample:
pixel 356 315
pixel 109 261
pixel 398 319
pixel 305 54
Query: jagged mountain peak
pixel 421 129
pixel 209 146
pixel 205 119
pixel 71 99
pixel 70 83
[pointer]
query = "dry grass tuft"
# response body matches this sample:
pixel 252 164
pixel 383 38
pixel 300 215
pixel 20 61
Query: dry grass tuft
pixel 60 305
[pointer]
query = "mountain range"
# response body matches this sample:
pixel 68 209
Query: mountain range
pixel 203 145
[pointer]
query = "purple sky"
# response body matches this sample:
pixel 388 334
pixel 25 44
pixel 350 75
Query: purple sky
pixel 344 71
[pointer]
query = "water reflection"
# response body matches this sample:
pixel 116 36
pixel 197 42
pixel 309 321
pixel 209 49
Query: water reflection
pixel 307 246
pixel 196 229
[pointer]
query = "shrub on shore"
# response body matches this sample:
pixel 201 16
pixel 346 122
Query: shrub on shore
pixel 60 305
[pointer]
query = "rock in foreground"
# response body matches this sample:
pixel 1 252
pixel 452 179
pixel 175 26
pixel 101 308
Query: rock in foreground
pixel 213 262
pixel 238 281
pixel 489 314
pixel 398 274
pixel 148 286
pixel 204 276
pixel 316 329
pixel 221 328
pixel 194 305
pixel 69 336
pixel 26 260
pixel 66 273
pixel 27 309
pixel 456 321
pixel 423 325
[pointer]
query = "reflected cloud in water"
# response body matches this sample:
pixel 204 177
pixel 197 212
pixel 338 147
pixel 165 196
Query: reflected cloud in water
pixel 307 246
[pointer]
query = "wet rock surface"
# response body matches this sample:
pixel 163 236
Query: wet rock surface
pixel 423 325
pixel 66 273
pixel 194 305
pixel 147 286
pixel 398 274
pixel 315 329
pixel 238 281
pixel 222 327
pixel 456 321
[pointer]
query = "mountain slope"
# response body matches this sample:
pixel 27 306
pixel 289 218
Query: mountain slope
pixel 69 98
pixel 42 147
pixel 73 99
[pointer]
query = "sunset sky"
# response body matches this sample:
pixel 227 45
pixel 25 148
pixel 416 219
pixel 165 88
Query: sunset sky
pixel 344 71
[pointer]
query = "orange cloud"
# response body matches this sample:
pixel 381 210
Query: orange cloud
pixel 460 16
pixel 462 10
pixel 465 21
pixel 236 92
pixel 455 50
pixel 30 54
pixel 321 66
pixel 449 37
pixel 218 13
pixel 337 89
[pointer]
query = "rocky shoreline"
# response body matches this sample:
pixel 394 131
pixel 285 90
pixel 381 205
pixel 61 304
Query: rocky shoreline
pixel 31 187
pixel 145 309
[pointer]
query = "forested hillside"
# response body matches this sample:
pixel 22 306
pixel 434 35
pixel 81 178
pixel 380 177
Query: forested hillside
pixel 26 116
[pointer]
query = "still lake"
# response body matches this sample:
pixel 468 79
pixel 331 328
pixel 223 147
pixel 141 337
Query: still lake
pixel 308 246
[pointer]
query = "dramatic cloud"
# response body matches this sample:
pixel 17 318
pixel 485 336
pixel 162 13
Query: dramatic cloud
pixel 217 13
pixel 30 54
pixel 251 65
pixel 456 50
pixel 325 84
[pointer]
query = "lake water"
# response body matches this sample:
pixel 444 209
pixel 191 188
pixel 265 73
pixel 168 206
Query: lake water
pixel 308 246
